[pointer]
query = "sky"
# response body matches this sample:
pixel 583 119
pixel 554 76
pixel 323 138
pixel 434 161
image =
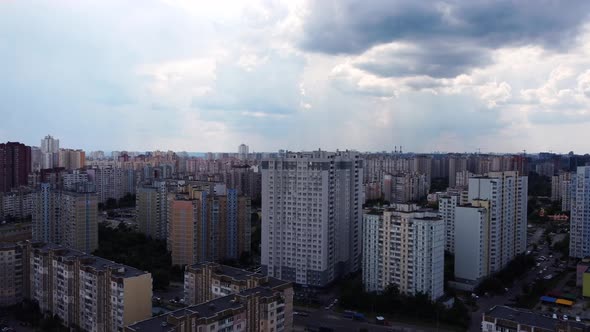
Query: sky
pixel 188 75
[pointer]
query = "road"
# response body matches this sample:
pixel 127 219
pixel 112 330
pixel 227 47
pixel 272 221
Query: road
pixel 485 303
pixel 333 320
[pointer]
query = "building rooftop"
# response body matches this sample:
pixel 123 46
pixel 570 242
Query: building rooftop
pixel 94 262
pixel 529 318
pixel 204 310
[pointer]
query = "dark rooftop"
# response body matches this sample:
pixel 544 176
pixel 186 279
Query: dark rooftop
pixel 95 262
pixel 528 318
pixel 203 310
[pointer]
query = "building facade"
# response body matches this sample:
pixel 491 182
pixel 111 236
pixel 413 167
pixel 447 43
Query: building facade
pixel 11 274
pixel 404 246
pixel 405 187
pixel 472 250
pixel 67 218
pixel 501 318
pixel 222 298
pixel 580 213
pixel 15 165
pixel 311 215
pixel 507 195
pixel 84 291
pixel 151 203
pixel 49 152
pixel 204 226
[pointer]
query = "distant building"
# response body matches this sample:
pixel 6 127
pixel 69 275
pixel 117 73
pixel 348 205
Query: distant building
pixel 560 189
pixel 501 318
pixel 580 213
pixel 68 218
pixel 405 187
pixel 311 215
pixel 152 210
pixel 243 152
pixel 404 246
pixel 16 204
pixel 222 298
pixel 15 165
pixel 49 152
pixel 15 232
pixel 113 182
pixel 71 159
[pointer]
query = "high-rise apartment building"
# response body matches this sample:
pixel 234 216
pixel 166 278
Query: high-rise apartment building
pixel 15 165
pixel 71 159
pixel 49 152
pixel 11 274
pixel 152 209
pixel 68 218
pixel 457 163
pixel 491 230
pixel 311 215
pixel 84 291
pixel 472 251
pixel 113 182
pixel 422 164
pixel 561 189
pixel 204 226
pixel 16 204
pixel 404 246
pixel 243 152
pixel 446 208
pixel 580 213
pixel 405 187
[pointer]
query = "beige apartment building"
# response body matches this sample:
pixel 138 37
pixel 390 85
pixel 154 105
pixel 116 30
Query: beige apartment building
pixel 203 226
pixel 84 291
pixel 234 300
pixel 206 281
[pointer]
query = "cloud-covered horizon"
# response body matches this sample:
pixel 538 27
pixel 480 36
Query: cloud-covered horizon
pixel 367 75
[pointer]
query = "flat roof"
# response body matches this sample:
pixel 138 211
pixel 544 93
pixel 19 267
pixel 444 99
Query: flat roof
pixel 204 310
pixel 529 318
pixel 91 261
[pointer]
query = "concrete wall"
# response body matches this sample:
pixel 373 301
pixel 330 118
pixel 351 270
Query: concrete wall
pixel 137 298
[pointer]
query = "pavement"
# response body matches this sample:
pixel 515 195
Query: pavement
pixel 334 320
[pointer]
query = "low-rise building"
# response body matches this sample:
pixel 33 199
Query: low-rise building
pixel 501 318
pixel 580 269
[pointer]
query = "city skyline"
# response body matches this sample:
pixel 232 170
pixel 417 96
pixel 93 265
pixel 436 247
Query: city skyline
pixel 193 76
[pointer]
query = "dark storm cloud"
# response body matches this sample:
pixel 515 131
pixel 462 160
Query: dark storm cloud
pixel 451 37
pixel 435 60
